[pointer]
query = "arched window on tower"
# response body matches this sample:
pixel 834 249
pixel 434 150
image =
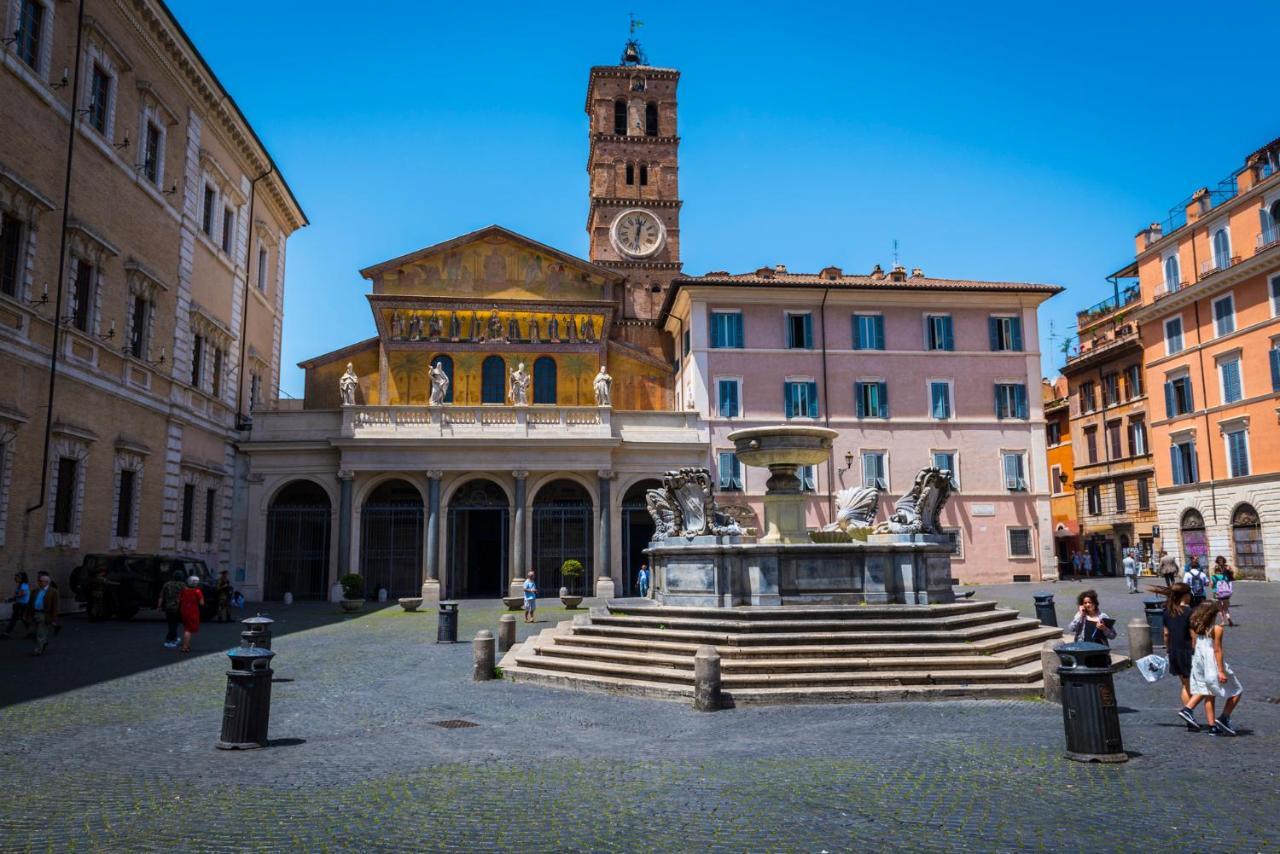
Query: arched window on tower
pixel 620 117
pixel 651 119
pixel 644 175
pixel 631 174
pixel 544 380
pixel 493 380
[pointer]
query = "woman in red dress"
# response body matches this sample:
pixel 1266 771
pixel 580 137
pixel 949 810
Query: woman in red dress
pixel 189 605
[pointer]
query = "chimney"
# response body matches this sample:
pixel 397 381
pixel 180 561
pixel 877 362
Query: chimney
pixel 917 273
pixel 831 273
pixel 780 268
pixel 1200 204
pixel 877 273
pixel 898 273
pixel 765 272
pixel 1149 235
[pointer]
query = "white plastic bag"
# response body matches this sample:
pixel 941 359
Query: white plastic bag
pixel 1153 668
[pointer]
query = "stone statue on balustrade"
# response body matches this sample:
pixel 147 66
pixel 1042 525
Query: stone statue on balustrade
pixel 347 385
pixel 535 333
pixel 588 330
pixel 918 511
pixel 434 330
pixel 415 328
pixel 683 507
pixel 475 333
pixel 603 385
pixel 513 328
pixel 397 325
pixel 520 386
pixel 439 384
pixel 553 328
pixel 455 326
pixel 495 326
pixel 571 329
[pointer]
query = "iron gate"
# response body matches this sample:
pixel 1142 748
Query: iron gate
pixel 561 531
pixel 297 552
pixel 467 577
pixel 391 548
pixel 635 519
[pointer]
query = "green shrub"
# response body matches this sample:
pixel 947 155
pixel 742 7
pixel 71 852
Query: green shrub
pixel 571 568
pixel 352 585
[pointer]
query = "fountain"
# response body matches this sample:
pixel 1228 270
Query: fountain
pixel 702 557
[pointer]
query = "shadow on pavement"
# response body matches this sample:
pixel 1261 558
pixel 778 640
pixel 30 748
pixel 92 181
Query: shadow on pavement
pixel 86 653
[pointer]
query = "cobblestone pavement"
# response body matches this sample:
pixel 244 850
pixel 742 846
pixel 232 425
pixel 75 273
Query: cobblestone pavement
pixel 108 745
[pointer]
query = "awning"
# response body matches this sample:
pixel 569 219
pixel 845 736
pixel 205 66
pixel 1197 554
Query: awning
pixel 1066 530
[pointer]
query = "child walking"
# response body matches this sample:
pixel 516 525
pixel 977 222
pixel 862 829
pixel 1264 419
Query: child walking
pixel 1222 588
pixel 530 597
pixel 1211 676
pixel 1179 643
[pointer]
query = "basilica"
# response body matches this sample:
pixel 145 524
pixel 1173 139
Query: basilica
pixel 517 401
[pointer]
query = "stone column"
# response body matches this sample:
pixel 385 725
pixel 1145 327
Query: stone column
pixel 345 479
pixel 604 539
pixel 519 561
pixel 431 563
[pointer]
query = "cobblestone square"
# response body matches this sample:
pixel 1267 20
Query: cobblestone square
pixel 109 746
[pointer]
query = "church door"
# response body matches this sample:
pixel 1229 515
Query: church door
pixel 391 540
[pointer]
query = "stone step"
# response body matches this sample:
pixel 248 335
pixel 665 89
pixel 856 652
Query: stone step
pixel 646 673
pixel 801 612
pixel 1023 673
pixel 883 693
pixel 814 624
pixel 609 685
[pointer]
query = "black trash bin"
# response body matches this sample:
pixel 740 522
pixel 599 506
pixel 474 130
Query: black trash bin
pixel 1045 611
pixel 257 632
pixel 1089 712
pixel 447 627
pixel 1155 619
pixel 247 710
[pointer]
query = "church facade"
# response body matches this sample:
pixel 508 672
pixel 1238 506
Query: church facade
pixel 517 401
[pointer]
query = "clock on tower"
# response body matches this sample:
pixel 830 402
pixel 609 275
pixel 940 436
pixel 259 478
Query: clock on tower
pixel 634 220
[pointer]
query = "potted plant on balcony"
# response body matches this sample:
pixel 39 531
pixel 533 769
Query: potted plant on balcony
pixel 570 571
pixel 352 592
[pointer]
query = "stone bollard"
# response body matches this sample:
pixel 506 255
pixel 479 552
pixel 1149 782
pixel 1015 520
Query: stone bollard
pixel 1139 638
pixel 482 651
pixel 1049 663
pixel 706 679
pixel 506 632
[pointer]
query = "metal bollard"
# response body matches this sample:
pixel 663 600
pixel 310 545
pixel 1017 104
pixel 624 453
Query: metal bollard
pixel 447 626
pixel 1090 715
pixel 482 653
pixel 1140 639
pixel 706 679
pixel 246 711
pixel 1154 609
pixel 1049 664
pixel 1045 612
pixel 257 632
pixel 506 632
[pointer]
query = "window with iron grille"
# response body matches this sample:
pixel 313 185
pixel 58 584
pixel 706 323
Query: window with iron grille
pixel 1020 542
pixel 124 504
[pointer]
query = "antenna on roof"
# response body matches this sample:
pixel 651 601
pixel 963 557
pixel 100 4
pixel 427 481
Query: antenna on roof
pixel 895 252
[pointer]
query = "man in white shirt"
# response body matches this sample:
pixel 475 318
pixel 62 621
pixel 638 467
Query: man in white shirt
pixel 1131 572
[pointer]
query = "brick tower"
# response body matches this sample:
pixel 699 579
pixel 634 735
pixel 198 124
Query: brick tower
pixel 634 220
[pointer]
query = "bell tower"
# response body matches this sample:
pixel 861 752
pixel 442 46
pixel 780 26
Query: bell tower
pixel 633 164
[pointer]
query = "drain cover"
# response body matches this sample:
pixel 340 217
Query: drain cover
pixel 454 724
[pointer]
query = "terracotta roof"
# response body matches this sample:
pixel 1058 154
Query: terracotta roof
pixel 771 277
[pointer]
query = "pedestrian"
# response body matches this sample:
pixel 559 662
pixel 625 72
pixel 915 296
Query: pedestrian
pixel 1198 581
pixel 530 596
pixel 21 600
pixel 1179 644
pixel 642 580
pixel 1222 579
pixel 1077 564
pixel 1131 571
pixel 1090 623
pixel 98 594
pixel 169 602
pixel 1211 676
pixel 1087 563
pixel 1168 568
pixel 224 597
pixel 189 605
pixel 44 611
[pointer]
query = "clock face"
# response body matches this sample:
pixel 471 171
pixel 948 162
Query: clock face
pixel 638 233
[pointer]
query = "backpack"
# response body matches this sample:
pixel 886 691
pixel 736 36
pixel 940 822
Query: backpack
pixel 1223 589
pixel 1196 582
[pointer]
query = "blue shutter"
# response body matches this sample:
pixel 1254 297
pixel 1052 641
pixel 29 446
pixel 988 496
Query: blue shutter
pixel 1231 381
pixel 883 389
pixel 857 330
pixel 808 331
pixel 1020 400
pixel 858 408
pixel 813 397
pixel 1175 460
pixel 948 338
pixel 999 413
pixel 1275 367
pixel 993 332
pixel 786 400
pixel 735 324
pixel 1194 464
pixel 878 323
pixel 1015 327
pixel 1191 403
pixel 1169 405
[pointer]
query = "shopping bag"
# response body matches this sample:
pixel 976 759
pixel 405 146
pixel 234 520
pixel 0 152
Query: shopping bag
pixel 1153 667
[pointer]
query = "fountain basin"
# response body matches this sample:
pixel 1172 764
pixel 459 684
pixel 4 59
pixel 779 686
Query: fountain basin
pixel 784 444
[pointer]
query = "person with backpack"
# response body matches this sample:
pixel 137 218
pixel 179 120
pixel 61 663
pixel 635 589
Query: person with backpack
pixel 1211 676
pixel 170 603
pixel 1222 588
pixel 1198 581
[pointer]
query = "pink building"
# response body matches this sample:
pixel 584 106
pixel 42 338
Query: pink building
pixel 910 370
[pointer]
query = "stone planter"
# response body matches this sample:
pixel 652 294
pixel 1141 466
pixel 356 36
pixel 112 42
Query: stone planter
pixel 571 602
pixel 513 603
pixel 351 605
pixel 411 603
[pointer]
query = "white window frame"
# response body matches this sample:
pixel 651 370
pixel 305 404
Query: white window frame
pixel 44 51
pixel 127 461
pixel 1026 470
pixel 1274 291
pixel 77 449
pixel 152 112
pixel 1182 438
pixel 742 471
pixel 1227 430
pixel 1213 312
pixel 1220 228
pixel 210 230
pixel 928 330
pixel 1181 373
pixel 862 464
pixel 787 314
pixel 951 398
pixel 1168 287
pixel 817 400
pixel 1146 438
pixel 736 381
pixel 1182 333
pixel 1221 361
pixel 861 381
pixel 955 468
pixel 1031 542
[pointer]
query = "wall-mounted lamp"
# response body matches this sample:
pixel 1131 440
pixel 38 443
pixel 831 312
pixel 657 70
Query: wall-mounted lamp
pixel 124 144
pixel 111 333
pixel 44 296
pixel 65 81
pixel 848 460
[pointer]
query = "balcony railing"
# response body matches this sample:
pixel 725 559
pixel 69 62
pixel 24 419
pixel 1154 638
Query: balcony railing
pixel 1268 238
pixel 1127 296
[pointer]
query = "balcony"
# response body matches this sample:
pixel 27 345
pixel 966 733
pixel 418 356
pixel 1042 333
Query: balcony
pixel 1268 238
pixel 1129 296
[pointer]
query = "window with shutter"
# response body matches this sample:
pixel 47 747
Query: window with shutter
pixel 1237 453
pixel 1275 367
pixel 799 331
pixel 939 332
pixel 1173 336
pixel 730 472
pixel 1224 315
pixel 1015 477
pixel 1231 389
pixel 1005 333
pixel 874 470
pixel 727 396
pixel 868 332
pixel 940 399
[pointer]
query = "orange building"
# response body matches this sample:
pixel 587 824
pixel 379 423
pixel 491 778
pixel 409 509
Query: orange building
pixel 1061 472
pixel 1210 332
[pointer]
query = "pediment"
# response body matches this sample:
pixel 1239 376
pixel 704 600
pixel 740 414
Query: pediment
pixel 493 264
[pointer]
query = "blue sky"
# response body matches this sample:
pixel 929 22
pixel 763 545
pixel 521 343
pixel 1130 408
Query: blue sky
pixel 993 141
